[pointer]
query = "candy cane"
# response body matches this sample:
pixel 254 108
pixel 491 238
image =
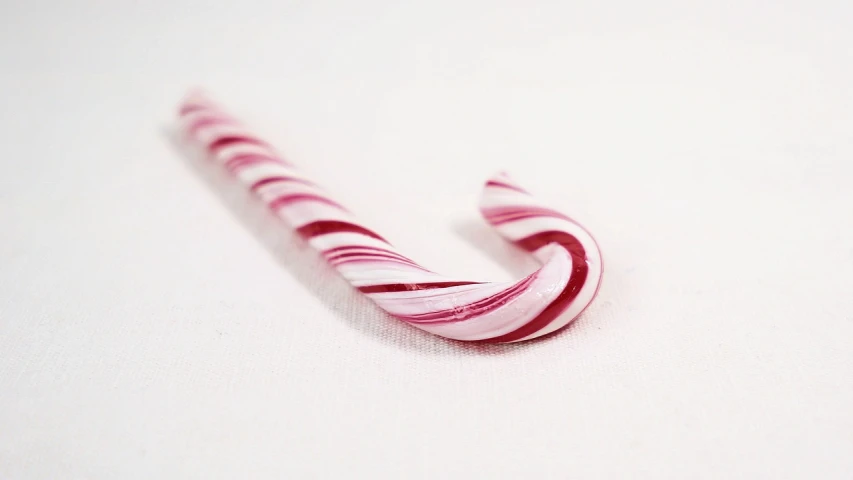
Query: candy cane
pixel 497 312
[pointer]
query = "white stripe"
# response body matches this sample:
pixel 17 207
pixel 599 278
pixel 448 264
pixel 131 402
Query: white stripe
pixel 299 214
pixel 505 198
pixel 207 108
pixel 362 277
pixel 189 119
pixel 347 239
pixel 274 190
pixel 227 153
pixel 256 172
pixel 519 229
pixel 364 260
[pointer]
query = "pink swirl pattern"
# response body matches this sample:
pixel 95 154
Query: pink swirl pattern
pixel 495 312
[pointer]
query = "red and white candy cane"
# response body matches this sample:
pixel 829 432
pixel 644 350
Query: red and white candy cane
pixel 496 312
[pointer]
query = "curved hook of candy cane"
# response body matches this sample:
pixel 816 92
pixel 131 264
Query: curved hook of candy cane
pixel 495 312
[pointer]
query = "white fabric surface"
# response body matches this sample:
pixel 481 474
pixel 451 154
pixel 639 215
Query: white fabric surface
pixel 155 322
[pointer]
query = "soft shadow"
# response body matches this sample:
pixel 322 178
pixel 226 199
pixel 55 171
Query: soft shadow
pixel 309 268
pixel 477 233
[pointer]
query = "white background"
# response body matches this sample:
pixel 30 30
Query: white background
pixel 155 322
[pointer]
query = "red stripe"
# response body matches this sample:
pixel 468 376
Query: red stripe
pixel 323 227
pixel 539 240
pixel 227 140
pixel 407 287
pixel 495 183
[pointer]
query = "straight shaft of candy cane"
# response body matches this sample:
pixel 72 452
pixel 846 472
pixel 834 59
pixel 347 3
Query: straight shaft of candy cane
pixel 536 305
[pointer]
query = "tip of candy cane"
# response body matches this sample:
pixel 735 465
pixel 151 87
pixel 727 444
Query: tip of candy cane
pixel 194 98
pixel 501 180
pixel 196 91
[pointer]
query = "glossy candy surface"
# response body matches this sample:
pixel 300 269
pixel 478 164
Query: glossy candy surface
pixel 497 312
